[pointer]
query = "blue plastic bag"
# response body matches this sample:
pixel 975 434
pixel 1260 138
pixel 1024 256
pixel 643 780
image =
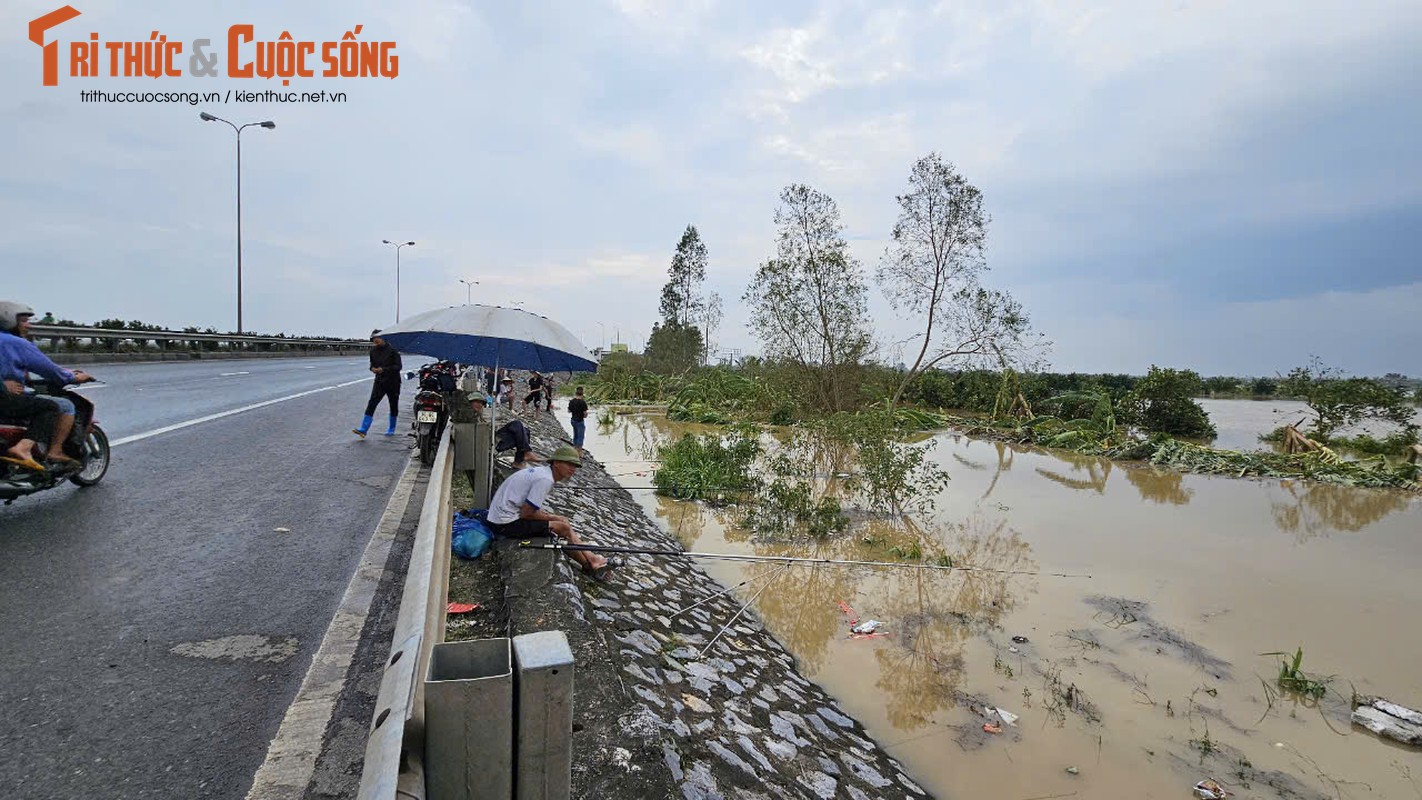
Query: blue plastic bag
pixel 471 534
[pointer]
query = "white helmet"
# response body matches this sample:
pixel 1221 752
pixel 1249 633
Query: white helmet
pixel 10 313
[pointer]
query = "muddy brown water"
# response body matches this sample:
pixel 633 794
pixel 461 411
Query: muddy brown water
pixel 1145 677
pixel 1239 423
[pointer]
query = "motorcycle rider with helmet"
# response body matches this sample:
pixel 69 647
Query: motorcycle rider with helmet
pixel 48 417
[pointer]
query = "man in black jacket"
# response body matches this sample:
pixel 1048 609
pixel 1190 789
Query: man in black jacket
pixel 385 363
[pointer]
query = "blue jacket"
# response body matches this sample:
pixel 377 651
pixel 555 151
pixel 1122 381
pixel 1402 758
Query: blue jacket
pixel 19 357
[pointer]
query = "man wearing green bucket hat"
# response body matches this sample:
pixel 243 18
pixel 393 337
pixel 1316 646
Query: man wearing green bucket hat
pixel 517 510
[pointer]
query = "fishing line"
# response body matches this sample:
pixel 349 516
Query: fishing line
pixel 744 606
pixel 528 545
pixel 705 600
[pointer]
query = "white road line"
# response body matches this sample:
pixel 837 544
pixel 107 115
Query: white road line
pixel 230 374
pixel 292 754
pixel 210 417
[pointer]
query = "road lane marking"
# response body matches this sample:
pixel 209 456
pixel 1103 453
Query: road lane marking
pixel 210 417
pixel 291 758
pixel 230 374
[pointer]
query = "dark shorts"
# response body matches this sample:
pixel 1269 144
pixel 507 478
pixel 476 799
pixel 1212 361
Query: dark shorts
pixel 522 529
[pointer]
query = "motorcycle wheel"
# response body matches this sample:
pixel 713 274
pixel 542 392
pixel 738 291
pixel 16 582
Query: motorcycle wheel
pixel 427 448
pixel 96 461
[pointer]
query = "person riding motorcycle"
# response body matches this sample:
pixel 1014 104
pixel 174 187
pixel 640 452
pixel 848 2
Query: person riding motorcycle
pixel 48 417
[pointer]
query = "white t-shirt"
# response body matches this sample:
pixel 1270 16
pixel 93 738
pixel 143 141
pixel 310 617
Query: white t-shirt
pixel 529 485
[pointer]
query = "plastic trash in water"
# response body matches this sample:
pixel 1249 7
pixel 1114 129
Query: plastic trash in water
pixel 1209 789
pixel 1073 771
pixel 1020 639
pixel 867 626
pixel 988 727
pixel 1006 716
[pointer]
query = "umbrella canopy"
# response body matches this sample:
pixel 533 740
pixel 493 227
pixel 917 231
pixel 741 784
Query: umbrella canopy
pixel 491 336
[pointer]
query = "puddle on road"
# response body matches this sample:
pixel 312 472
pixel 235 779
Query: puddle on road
pixel 246 647
pixel 1146 677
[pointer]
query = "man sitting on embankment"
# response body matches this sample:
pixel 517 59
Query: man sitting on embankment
pixel 517 509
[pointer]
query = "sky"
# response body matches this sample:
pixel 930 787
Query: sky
pixel 1226 187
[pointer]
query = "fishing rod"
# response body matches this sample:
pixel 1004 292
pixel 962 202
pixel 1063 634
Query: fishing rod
pixel 839 562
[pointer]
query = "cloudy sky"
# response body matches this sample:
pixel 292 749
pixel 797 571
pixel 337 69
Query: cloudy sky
pixel 1230 187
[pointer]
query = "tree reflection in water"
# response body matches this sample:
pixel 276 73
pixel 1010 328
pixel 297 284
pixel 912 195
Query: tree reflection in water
pixel 1161 486
pixel 1309 510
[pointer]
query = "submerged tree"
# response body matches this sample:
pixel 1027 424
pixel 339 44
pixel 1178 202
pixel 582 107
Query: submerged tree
pixel 808 304
pixel 673 348
pixel 1163 402
pixel 1339 402
pixel 933 268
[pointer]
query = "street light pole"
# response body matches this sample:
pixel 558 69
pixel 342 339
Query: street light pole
pixel 397 247
pixel 602 340
pixel 269 125
pixel 467 286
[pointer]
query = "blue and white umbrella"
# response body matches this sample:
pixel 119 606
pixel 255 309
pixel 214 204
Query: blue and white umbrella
pixel 491 336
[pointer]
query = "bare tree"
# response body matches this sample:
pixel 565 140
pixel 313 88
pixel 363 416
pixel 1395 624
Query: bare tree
pixel 809 302
pixel 934 267
pixel 710 324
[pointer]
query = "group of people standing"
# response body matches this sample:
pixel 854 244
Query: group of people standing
pixel 517 509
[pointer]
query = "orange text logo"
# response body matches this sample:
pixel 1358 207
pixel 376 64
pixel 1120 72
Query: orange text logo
pixel 247 55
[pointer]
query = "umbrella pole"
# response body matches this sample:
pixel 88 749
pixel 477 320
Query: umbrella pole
pixel 493 419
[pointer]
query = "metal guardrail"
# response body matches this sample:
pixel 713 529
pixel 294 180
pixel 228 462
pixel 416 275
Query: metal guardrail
pixel 119 334
pixel 394 752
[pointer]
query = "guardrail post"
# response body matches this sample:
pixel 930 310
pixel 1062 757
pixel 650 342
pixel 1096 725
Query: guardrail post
pixel 543 727
pixel 469 721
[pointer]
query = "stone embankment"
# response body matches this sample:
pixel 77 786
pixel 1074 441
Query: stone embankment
pixel 654 716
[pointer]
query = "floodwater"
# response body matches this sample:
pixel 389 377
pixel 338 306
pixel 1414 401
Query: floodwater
pixel 1239 423
pixel 1146 676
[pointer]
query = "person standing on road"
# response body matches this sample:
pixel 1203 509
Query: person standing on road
pixel 517 509
pixel 578 410
pixel 385 364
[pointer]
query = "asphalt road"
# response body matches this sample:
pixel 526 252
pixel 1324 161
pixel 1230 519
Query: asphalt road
pixel 154 628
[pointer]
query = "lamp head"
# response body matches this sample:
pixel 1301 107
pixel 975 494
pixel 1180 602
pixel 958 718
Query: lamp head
pixel 206 117
pixel 269 125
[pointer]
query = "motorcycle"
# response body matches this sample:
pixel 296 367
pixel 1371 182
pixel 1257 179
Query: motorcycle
pixel 431 409
pixel 87 443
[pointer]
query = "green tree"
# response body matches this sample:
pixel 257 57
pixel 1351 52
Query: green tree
pixel 809 305
pixel 933 269
pixel 1263 387
pixel 1339 402
pixel 673 348
pixel 1162 402
pixel 681 299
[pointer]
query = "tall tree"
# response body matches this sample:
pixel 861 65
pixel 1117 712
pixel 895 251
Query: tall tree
pixel 809 302
pixel 934 267
pixel 681 299
pixel 710 324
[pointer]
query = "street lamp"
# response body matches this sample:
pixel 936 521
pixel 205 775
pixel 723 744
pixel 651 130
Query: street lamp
pixel 397 247
pixel 602 340
pixel 269 125
pixel 467 286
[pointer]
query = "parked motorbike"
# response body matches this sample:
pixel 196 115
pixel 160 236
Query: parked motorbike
pixel 87 443
pixel 437 380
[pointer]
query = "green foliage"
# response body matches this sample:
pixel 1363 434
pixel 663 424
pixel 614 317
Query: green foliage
pixel 1161 403
pixel 681 303
pixel 709 467
pixel 789 504
pixel 1263 387
pixel 1293 679
pixel 673 348
pixel 809 303
pixel 722 394
pixel 624 378
pixel 1339 402
pixel 889 475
